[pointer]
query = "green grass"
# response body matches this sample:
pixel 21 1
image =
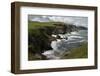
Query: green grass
pixel 32 25
pixel 80 52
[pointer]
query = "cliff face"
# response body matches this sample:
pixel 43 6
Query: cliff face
pixel 39 39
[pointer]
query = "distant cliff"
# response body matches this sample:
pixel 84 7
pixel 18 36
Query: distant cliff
pixel 67 28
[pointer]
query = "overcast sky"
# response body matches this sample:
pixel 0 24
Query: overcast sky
pixel 78 21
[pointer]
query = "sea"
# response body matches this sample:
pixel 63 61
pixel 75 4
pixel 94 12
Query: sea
pixel 67 42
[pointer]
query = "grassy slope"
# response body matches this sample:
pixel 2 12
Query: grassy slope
pixel 35 25
pixel 32 25
pixel 32 28
pixel 80 52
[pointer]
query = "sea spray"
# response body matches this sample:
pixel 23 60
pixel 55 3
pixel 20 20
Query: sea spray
pixel 65 44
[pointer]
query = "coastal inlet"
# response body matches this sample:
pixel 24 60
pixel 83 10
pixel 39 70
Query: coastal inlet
pixel 56 40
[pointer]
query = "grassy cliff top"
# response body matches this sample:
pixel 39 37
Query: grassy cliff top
pixel 32 25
